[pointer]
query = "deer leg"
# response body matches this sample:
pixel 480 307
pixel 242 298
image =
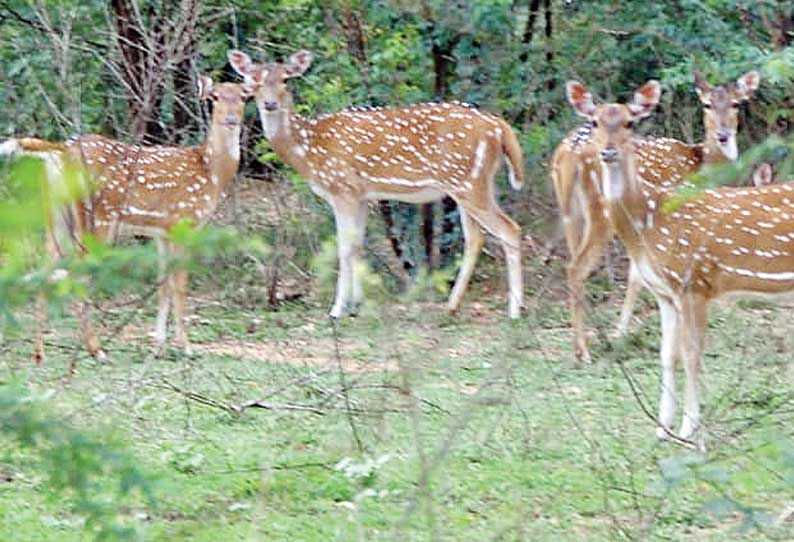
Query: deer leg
pixel 633 289
pixel 41 324
pixel 580 265
pixel 358 251
pixel 91 340
pixel 163 292
pixel 668 356
pixel 572 234
pixel 565 177
pixel 179 284
pixel 473 243
pixel 51 249
pixel 498 224
pixel 694 321
pixel 608 265
pixel 345 216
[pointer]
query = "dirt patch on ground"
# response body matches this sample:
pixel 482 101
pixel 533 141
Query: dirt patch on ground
pixel 282 352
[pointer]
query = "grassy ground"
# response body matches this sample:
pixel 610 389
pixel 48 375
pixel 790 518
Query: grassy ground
pixel 409 424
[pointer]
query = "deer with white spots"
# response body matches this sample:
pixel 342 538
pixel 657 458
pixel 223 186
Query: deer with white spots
pixel 724 243
pixel 576 175
pixel 144 191
pixel 414 154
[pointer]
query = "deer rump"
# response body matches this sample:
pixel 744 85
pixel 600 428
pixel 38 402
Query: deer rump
pixel 78 170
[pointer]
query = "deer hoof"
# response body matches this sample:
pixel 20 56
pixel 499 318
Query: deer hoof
pixel 583 357
pixel 662 433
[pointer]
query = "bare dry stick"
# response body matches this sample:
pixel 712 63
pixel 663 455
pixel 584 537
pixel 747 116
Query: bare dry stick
pixel 236 408
pixel 351 421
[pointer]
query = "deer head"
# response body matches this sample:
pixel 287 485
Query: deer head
pixel 612 131
pixel 721 109
pixel 228 101
pixel 269 81
pixel 762 176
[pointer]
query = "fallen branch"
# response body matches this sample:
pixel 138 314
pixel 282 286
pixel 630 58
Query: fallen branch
pixel 237 409
pixel 278 406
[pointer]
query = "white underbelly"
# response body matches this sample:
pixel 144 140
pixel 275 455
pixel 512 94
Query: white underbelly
pixel 121 230
pixel 780 298
pixel 422 195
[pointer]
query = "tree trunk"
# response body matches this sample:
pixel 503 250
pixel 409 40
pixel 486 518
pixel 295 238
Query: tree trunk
pixel 550 82
pixel 136 65
pixel 524 112
pixel 529 29
pixel 148 43
pixel 184 90
pixel 443 68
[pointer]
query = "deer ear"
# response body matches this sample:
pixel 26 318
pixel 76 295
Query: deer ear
pixel 204 87
pixel 298 63
pixel 646 99
pixel 762 175
pixel 747 84
pixel 580 98
pixel 701 85
pixel 241 63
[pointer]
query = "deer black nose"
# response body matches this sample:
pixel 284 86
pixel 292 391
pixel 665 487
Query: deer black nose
pixel 723 136
pixel 271 106
pixel 609 154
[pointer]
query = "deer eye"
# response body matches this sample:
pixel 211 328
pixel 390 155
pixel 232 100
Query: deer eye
pixel 630 124
pixel 594 123
pixel 706 106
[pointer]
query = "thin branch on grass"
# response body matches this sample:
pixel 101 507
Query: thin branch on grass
pixel 237 408
pixel 282 467
pixel 278 406
pixel 342 381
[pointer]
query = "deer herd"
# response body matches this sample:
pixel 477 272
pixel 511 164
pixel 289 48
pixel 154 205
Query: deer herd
pixel 721 243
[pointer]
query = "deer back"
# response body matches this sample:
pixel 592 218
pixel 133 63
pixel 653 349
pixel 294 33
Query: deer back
pixel 148 188
pixel 441 146
pixel 728 240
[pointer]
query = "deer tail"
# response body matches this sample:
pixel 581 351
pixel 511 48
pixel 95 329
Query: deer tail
pixel 514 157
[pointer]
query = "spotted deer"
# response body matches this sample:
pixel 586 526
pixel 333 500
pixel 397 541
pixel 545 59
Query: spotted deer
pixel 576 178
pixel 723 243
pixel 414 154
pixel 144 191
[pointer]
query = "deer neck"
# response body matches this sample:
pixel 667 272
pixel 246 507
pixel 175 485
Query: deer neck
pixel 285 131
pixel 221 154
pixel 631 203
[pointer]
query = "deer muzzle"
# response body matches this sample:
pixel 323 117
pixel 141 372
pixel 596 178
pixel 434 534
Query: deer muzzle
pixel 609 154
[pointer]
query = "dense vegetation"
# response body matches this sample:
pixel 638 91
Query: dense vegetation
pixel 404 423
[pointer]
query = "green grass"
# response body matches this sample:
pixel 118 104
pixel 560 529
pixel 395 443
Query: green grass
pixel 461 428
